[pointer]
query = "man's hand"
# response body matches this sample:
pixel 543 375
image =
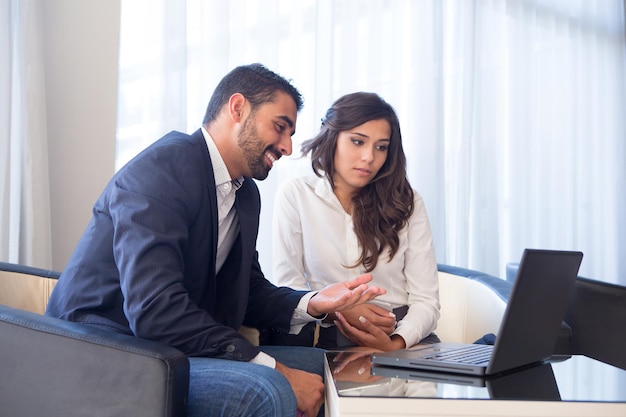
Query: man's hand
pixel 309 389
pixel 369 335
pixel 343 295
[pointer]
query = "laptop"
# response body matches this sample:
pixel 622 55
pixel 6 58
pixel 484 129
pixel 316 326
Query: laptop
pixel 528 331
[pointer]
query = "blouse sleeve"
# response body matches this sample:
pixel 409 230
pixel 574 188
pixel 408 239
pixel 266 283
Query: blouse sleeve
pixel 288 246
pixel 422 281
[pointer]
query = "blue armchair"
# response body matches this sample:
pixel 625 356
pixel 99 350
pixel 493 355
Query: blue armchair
pixel 53 367
pixel 597 318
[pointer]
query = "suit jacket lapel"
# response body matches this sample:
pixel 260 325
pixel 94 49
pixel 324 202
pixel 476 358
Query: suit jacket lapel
pixel 210 184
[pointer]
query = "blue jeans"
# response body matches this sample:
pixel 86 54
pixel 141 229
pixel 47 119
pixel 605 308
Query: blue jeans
pixel 219 387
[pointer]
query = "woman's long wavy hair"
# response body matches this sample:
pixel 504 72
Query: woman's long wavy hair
pixel 382 208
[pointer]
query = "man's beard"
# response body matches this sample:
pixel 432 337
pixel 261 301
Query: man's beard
pixel 253 149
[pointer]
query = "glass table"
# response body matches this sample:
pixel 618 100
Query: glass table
pixel 573 386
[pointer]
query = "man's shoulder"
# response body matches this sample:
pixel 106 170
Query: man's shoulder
pixel 175 157
pixel 176 138
pixel 174 147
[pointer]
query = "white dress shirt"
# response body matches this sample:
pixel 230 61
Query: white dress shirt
pixel 228 228
pixel 227 224
pixel 315 245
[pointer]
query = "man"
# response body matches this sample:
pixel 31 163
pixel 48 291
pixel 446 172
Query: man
pixel 170 255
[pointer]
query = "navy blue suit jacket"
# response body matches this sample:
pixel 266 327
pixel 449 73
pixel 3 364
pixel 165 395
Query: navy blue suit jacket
pixel 146 263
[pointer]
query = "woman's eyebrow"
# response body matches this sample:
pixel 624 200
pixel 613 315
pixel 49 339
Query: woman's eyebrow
pixel 363 135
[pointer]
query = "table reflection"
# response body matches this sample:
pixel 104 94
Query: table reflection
pixel 575 379
pixel 352 372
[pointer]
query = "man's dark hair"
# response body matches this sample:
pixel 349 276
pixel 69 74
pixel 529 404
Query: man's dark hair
pixel 256 83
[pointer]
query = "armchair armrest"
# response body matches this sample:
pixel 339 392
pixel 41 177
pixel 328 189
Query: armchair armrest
pixel 472 304
pixel 597 315
pixel 52 367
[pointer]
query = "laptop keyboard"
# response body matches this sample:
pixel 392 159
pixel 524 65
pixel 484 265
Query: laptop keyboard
pixel 475 354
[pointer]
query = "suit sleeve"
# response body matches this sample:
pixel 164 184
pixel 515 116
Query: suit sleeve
pixel 268 306
pixel 153 206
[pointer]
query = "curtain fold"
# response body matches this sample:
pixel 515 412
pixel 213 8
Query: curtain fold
pixel 24 186
pixel 512 111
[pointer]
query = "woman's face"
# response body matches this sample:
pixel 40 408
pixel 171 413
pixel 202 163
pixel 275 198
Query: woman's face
pixel 360 154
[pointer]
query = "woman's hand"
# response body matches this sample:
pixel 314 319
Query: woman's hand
pixel 369 334
pixel 343 295
pixel 383 319
pixel 353 365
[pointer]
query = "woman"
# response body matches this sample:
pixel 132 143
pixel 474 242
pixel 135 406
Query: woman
pixel 358 214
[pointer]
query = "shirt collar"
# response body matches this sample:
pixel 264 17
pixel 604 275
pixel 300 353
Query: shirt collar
pixel 219 166
pixel 323 189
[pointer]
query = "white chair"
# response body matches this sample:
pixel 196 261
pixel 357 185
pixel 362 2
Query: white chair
pixel 470 308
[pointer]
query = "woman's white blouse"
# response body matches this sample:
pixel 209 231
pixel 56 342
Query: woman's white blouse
pixel 315 245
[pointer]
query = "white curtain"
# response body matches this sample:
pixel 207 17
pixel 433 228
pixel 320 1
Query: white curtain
pixel 512 112
pixel 24 186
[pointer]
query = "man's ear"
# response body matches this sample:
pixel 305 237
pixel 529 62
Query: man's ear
pixel 236 105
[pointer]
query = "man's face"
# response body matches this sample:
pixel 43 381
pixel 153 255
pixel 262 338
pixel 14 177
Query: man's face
pixel 266 134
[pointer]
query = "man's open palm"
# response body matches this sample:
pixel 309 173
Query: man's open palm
pixel 343 295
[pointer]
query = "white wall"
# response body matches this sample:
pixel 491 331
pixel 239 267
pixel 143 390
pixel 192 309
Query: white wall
pixel 81 39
